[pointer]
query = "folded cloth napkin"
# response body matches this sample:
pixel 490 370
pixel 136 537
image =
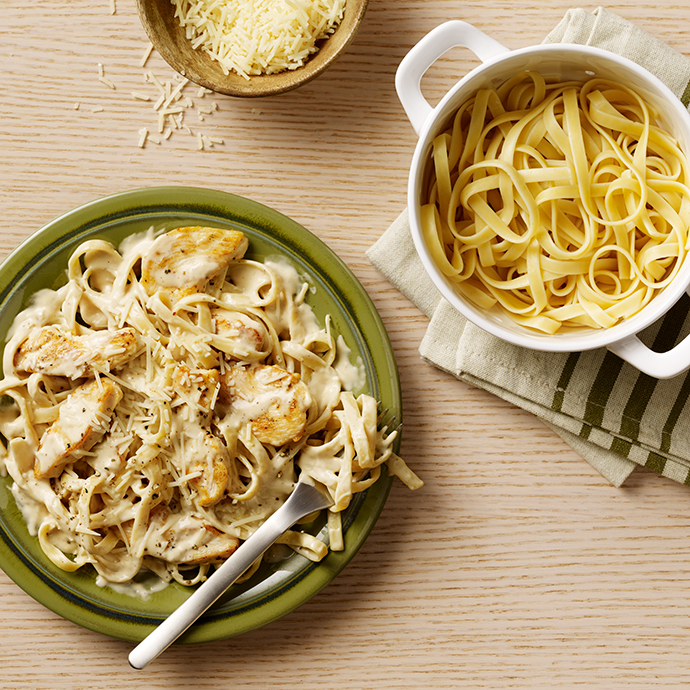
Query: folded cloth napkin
pixel 611 414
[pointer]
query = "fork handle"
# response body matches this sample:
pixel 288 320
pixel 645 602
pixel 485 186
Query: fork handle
pixel 299 504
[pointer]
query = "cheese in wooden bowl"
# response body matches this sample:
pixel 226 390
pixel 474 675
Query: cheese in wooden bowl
pixel 251 48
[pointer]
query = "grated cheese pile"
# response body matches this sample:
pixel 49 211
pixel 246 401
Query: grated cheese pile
pixel 252 37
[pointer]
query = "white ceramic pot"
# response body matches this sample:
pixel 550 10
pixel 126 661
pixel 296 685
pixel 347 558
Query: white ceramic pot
pixel 499 64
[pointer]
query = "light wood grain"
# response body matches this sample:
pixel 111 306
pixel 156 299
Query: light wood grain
pixel 517 565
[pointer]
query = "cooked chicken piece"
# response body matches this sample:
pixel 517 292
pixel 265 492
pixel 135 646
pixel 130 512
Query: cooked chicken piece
pixel 196 386
pixel 210 457
pixel 185 260
pixel 82 420
pixel 275 401
pixel 185 539
pixel 247 335
pixel 206 452
pixel 50 350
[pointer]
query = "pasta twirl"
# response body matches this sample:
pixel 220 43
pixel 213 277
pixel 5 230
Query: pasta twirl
pixel 161 404
pixel 561 204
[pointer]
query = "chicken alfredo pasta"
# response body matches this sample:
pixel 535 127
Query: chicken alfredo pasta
pixel 162 402
pixel 562 204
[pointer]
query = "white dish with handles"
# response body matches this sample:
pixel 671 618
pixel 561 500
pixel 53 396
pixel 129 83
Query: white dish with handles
pixel 499 63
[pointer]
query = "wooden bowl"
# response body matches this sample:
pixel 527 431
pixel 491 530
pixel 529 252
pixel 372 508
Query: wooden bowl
pixel 169 39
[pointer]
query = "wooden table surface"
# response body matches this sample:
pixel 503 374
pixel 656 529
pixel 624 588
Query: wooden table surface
pixel 517 565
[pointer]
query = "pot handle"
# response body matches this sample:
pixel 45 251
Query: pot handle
pixel 438 41
pixel 660 365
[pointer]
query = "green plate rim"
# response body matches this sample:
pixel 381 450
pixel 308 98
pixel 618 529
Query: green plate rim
pixel 166 202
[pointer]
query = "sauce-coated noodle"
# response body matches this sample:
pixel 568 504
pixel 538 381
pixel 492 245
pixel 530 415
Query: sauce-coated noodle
pixel 561 204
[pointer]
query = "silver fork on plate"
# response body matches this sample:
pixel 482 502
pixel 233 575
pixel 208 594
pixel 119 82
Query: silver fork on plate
pixel 305 499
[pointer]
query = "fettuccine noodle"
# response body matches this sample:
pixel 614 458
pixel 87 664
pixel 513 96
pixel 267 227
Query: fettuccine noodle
pixel 561 204
pixel 161 404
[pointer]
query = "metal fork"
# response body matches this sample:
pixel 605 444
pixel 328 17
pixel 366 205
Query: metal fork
pixel 305 499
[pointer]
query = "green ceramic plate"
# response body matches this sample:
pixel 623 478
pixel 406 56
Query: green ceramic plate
pixel 277 588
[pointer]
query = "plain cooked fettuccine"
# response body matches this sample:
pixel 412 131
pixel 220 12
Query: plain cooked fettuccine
pixel 162 403
pixel 559 203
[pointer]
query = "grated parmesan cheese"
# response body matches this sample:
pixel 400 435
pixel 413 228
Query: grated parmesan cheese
pixel 251 37
pixel 170 108
pixel 102 79
pixel 146 55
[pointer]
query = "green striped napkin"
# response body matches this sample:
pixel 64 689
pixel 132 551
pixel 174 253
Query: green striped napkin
pixel 611 414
